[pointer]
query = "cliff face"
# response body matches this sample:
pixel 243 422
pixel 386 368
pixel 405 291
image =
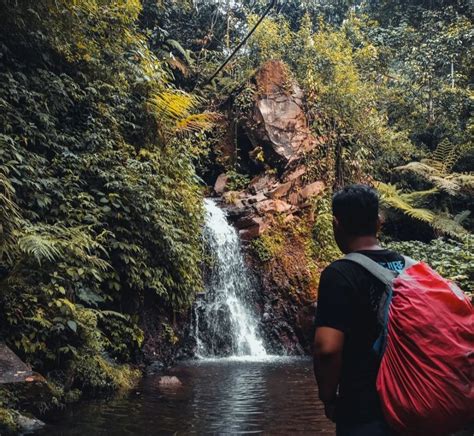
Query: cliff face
pixel 274 212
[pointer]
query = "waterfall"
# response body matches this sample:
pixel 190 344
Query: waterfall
pixel 223 323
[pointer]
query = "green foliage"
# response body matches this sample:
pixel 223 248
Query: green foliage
pixel 100 205
pixel 454 260
pixel 408 204
pixel 325 246
pixel 236 181
pixel 270 244
pixel 8 425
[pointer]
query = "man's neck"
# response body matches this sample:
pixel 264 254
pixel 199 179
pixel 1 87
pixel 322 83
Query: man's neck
pixel 361 243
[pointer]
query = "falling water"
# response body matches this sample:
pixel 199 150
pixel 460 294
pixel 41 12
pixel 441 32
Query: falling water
pixel 224 323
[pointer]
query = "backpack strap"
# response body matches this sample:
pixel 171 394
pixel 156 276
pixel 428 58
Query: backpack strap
pixel 409 262
pixel 385 275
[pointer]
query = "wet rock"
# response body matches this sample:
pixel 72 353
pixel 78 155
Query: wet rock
pixel 28 425
pixel 170 381
pixel 221 183
pixel 155 367
pixel 254 230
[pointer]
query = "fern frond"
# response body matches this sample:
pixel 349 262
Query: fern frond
pixel 197 122
pixel 173 110
pixel 41 247
pixel 446 155
pixel 391 197
pixel 418 196
pixel 462 216
pixel 448 226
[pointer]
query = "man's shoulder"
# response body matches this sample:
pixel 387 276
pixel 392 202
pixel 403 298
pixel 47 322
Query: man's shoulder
pixel 340 269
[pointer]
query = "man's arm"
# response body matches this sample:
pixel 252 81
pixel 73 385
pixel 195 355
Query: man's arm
pixel 333 317
pixel 327 362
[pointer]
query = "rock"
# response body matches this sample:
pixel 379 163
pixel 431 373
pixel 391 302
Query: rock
pixel 295 174
pixel 311 190
pixel 279 124
pixel 254 230
pixel 280 191
pixel 221 183
pixel 170 381
pixel 155 367
pixel 262 182
pixel 269 206
pixel 12 369
pixel 28 425
pixel 256 198
pixel 247 221
pixel 294 198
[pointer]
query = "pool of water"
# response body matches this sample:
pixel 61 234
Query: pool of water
pixel 222 396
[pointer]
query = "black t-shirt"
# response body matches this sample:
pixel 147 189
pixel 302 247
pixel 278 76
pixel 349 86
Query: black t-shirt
pixel 348 300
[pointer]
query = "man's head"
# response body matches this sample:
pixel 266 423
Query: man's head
pixel 355 210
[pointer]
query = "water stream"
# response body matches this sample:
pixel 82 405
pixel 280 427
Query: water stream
pixel 224 321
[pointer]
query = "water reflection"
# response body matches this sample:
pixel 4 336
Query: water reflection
pixel 217 397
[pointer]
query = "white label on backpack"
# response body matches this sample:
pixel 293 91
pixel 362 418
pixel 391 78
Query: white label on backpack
pixel 457 290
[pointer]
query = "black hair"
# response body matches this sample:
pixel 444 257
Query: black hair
pixel 356 207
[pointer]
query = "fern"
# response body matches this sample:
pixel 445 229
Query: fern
pixel 391 197
pixel 174 109
pixel 445 155
pixel 406 203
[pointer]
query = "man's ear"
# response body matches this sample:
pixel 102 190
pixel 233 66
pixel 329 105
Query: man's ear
pixel 335 222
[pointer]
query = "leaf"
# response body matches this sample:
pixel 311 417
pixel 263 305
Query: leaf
pixel 72 325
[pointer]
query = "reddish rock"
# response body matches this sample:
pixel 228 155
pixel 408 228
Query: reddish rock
pixel 221 183
pixel 248 221
pixel 311 190
pixel 269 206
pixel 170 381
pixel 294 198
pixel 263 182
pixel 256 198
pixel 281 190
pixel 279 124
pixel 257 227
pixel 295 174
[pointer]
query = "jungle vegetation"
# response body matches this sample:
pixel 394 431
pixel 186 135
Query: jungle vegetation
pixel 108 128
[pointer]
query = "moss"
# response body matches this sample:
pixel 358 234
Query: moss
pixel 94 375
pixel 271 243
pixel 325 246
pixel 8 424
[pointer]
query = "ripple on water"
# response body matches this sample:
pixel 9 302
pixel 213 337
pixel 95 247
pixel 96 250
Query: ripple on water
pixel 274 395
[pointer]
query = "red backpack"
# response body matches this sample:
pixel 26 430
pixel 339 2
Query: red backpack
pixel 425 379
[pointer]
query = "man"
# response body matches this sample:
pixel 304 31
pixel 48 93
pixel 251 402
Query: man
pixel 346 323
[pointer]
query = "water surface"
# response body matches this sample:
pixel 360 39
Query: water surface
pixel 221 396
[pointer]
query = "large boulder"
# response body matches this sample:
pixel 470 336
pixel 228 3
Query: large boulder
pixel 279 124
